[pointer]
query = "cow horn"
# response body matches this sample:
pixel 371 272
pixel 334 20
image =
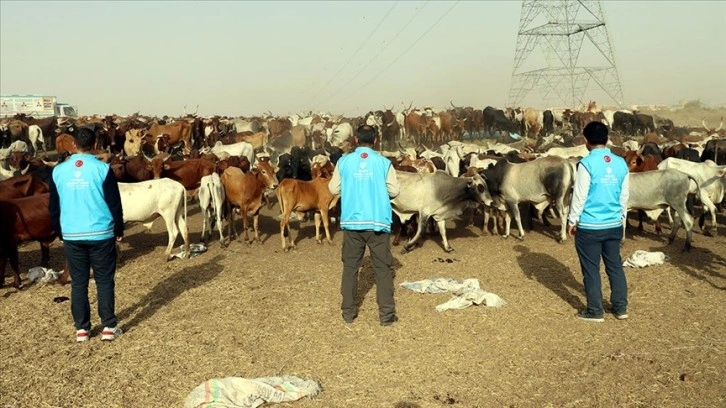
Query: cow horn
pixel 195 111
pixel 409 106
pixel 721 125
pixel 22 172
pixel 185 110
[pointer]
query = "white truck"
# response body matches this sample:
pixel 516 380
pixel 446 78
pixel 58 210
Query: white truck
pixel 38 106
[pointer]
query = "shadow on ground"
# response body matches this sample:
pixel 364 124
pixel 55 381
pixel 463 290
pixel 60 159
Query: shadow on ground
pixel 551 273
pixel 170 288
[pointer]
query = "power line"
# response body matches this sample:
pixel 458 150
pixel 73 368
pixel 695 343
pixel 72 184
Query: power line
pixel 377 55
pixel 402 54
pixel 317 94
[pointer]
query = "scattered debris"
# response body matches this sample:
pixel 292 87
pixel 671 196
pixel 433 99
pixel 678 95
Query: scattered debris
pixel 194 249
pixel 237 392
pixel 641 259
pixel 467 293
pixel 43 275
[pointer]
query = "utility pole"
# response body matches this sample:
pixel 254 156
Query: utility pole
pixel 562 30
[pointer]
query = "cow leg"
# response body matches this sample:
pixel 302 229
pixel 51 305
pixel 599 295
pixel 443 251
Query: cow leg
pixel 422 221
pixel 442 230
pixel 12 256
pixel 284 229
pixel 326 224
pixel 514 208
pixel 486 214
pixel 563 209
pixel 205 218
pixel 245 224
pixel 709 206
pixel 640 220
pixel 45 254
pixel 173 232
pixel 256 226
pixel 682 216
pixel 182 228
pixel 396 228
pixel 317 228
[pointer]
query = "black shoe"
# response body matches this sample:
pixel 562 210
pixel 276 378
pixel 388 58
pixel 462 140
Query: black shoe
pixel 390 321
pixel 350 319
pixel 587 316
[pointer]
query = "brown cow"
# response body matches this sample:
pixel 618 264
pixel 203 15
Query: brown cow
pixel 24 219
pixel 179 131
pixel 65 143
pixel 188 172
pixel 21 186
pixel 299 135
pixel 300 196
pixel 245 191
pixel 531 122
pixel 278 127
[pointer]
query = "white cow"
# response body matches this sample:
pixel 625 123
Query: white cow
pixel 235 149
pixel 340 133
pixel 146 201
pixel 35 134
pixel 211 199
pixel 710 185
pixel 567 152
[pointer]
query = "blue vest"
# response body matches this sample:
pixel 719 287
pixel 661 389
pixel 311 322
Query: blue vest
pixel 84 214
pixel 365 204
pixel 602 208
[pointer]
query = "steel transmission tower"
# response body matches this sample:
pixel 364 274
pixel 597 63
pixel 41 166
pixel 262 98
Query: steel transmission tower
pixel 577 54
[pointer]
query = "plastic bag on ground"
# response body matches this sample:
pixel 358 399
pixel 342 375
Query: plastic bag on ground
pixel 237 392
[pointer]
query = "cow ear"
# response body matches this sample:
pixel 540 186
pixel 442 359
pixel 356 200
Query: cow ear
pixel 276 169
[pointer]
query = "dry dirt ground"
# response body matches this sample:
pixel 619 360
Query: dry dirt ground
pixel 254 311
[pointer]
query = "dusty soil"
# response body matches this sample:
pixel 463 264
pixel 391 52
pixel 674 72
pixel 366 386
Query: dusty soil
pixel 254 311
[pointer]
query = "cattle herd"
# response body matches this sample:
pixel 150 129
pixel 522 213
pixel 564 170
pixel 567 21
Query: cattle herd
pixel 512 163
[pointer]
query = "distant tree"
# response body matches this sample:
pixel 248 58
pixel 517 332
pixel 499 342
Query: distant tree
pixel 694 104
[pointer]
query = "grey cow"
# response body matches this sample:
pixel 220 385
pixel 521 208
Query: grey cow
pixel 544 181
pixel 654 191
pixel 438 195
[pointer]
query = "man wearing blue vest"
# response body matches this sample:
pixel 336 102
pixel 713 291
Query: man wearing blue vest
pixel 366 182
pixel 598 211
pixel 85 209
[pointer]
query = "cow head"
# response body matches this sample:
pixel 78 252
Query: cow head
pixel 477 188
pixel 134 140
pixel 266 173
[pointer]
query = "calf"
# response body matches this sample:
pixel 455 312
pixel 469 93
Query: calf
pixel 211 199
pixel 24 219
pixel 541 182
pixel 301 196
pixel 146 201
pixel 654 191
pixel 245 191
pixel 638 163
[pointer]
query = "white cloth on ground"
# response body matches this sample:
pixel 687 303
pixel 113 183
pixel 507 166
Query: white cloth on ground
pixel 467 293
pixel 641 259
pixel 43 275
pixel 237 392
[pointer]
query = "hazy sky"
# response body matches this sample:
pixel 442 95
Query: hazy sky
pixel 246 58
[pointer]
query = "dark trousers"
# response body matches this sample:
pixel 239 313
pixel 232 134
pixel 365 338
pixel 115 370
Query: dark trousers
pixel 81 256
pixel 592 245
pixel 354 246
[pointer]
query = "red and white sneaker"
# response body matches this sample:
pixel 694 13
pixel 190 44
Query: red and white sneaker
pixel 110 333
pixel 82 335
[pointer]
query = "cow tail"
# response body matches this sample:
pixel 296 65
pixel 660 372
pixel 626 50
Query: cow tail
pixel 698 187
pixel 185 208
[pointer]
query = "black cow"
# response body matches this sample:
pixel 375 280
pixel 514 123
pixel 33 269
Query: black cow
pixel 624 123
pixel 496 120
pixel 548 120
pixel 715 150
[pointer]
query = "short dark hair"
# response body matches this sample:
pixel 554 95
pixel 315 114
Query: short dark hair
pixel 85 138
pixel 596 133
pixel 366 134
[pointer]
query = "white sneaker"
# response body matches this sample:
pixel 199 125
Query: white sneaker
pixel 81 335
pixel 110 333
